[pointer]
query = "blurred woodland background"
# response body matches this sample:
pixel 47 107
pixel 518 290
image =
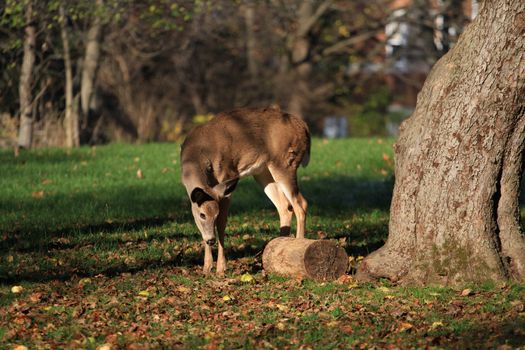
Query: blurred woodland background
pixel 87 72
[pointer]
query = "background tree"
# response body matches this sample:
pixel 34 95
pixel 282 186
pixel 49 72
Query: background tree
pixel 25 133
pixel 459 160
pixel 71 124
pixel 144 70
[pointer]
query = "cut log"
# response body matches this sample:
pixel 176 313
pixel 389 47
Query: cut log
pixel 299 257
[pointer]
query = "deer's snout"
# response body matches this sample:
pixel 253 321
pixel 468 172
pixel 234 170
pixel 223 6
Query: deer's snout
pixel 210 241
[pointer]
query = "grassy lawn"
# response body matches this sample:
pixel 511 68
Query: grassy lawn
pixel 106 257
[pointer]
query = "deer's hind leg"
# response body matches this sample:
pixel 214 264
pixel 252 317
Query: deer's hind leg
pixel 284 208
pixel 286 179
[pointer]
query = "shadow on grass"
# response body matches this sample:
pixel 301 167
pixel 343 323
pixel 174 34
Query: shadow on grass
pixel 64 221
pixel 182 258
pixel 507 333
pixel 87 212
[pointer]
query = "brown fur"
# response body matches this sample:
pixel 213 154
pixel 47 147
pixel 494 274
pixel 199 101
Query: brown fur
pixel 266 143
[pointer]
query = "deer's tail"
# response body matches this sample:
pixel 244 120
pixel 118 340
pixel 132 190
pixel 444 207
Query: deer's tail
pixel 306 157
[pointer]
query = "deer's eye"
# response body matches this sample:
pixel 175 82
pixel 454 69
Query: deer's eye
pixel 202 216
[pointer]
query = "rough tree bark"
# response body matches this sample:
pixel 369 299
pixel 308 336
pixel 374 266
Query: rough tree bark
pixel 25 132
pixel 459 160
pixel 71 117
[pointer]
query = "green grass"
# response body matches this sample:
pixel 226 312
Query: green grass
pixel 106 257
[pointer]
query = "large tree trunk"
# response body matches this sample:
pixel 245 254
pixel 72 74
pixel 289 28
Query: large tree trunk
pixel 26 81
pixel 90 66
pixel 459 159
pixel 71 115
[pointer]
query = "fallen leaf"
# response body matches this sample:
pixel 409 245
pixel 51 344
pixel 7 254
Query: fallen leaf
pixel 466 292
pixel 437 324
pixel 35 297
pixel 17 289
pixel 247 278
pixel 139 174
pixel 105 346
pixel 84 281
pixel 386 157
pixel 353 285
pixel 282 308
pixel 345 279
pixel 227 298
pixel 383 289
pixel 333 323
pixel 183 289
pixel 505 347
pixel 404 326
pixel 19 347
pixel 144 293
pixel 37 194
pixel 518 305
pixel 346 329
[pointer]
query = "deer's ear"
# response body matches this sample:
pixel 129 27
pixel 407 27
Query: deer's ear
pixel 225 188
pixel 199 196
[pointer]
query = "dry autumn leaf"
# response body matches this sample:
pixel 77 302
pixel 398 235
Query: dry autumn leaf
pixel 37 194
pixel 437 324
pixel 280 326
pixel 35 297
pixel 353 285
pixel 17 289
pixel 144 293
pixel 404 326
pixel 518 305
pixel 345 279
pixel 247 278
pixel 19 347
pixel 466 292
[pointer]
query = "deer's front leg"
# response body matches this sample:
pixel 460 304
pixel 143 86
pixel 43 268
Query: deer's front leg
pixel 208 258
pixel 222 219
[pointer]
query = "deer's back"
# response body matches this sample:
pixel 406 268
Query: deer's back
pixel 245 137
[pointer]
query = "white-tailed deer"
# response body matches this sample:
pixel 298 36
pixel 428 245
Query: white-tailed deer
pixel 266 143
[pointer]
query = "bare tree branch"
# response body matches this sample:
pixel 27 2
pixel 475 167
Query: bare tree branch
pixel 310 22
